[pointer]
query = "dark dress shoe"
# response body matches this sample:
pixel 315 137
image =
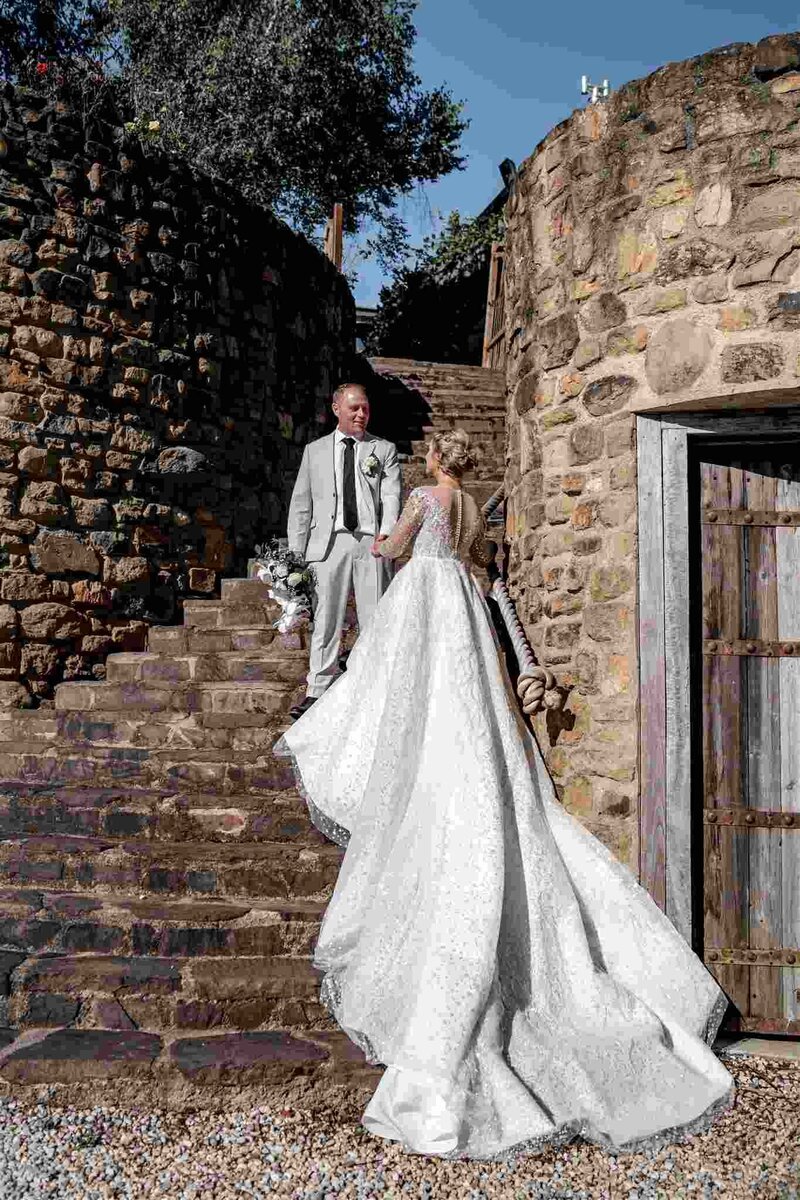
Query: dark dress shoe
pixel 304 705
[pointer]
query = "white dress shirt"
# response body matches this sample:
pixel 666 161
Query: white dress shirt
pixel 366 510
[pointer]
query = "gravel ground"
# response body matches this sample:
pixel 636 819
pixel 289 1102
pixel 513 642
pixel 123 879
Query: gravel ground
pixel 45 1150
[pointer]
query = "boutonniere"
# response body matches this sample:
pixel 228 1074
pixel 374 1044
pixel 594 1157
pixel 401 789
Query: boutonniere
pixel 370 465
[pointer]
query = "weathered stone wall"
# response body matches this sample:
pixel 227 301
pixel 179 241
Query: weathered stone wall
pixel 653 261
pixel 165 352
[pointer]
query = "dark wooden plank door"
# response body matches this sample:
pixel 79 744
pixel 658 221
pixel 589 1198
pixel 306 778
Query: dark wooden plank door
pixel 750 572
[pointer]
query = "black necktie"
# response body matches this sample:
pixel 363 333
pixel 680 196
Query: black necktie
pixel 350 508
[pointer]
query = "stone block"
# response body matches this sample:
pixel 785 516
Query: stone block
pixel 57 552
pixel 786 84
pixel 608 395
pixel 751 362
pixel 603 312
pixel 8 622
pixel 558 338
pixel 75 1055
pixel 572 385
pixel 735 318
pixel 607 622
pixel 712 290
pixel 636 257
pixel 610 581
pixel 559 416
pixel 562 635
pixel 775 54
pixel 577 795
pixel 661 300
pixel 238 1056
pixel 120 572
pixel 22 585
pixel 714 205
pixel 202 580
pixel 39 661
pixel 43 502
pixel 586 443
pixel 771 208
pixel 16 254
pixel 673 222
pixel 674 191
pixel 677 354
pixel 698 256
pixel 52 622
pixel 587 352
pixel 628 340
pixel 91 513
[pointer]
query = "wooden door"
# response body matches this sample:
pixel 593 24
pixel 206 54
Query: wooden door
pixel 749 536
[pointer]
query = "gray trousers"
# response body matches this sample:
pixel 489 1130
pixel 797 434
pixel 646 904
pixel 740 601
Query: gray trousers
pixel 347 564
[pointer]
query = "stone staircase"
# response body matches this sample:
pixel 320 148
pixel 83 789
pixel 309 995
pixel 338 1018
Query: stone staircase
pixel 472 398
pixel 161 885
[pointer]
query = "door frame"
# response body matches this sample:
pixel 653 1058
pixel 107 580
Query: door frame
pixel 667 742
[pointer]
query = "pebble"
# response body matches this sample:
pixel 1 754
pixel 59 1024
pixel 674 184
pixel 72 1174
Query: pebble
pixel 108 1153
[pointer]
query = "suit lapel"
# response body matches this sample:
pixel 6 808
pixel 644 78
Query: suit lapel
pixel 331 460
pixel 371 439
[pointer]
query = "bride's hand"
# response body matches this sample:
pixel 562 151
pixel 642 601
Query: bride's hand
pixel 374 551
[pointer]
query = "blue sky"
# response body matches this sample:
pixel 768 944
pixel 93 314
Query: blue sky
pixel 517 66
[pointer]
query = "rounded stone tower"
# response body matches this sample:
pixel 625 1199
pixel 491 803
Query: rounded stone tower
pixel 652 267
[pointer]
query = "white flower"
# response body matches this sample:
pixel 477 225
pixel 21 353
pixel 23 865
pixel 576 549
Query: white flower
pixel 295 578
pixel 154 126
pixel 281 571
pixel 370 465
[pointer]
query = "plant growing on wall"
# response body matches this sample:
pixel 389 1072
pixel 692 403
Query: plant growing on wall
pixel 435 306
pixel 63 45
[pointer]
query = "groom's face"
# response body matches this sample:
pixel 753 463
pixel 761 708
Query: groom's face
pixel 352 411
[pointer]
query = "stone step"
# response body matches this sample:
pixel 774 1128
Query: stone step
pixel 157 815
pixel 265 870
pixel 249 591
pixel 410 365
pixel 167 730
pixel 214 614
pixel 229 698
pixel 73 923
pixel 464 400
pixel 166 670
pixel 179 639
pixel 316 1070
pixel 222 771
pixel 203 989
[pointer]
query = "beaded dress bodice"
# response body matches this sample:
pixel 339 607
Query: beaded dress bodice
pixel 446 523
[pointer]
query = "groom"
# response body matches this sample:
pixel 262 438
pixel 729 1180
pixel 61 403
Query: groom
pixel 346 496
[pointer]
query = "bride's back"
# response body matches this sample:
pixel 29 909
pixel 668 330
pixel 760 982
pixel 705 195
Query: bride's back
pixel 450 523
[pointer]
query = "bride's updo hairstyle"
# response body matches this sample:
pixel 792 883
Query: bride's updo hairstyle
pixel 453 446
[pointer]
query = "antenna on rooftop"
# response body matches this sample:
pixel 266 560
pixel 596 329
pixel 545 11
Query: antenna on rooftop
pixel 595 91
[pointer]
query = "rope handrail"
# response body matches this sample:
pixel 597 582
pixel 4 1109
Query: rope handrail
pixel 536 686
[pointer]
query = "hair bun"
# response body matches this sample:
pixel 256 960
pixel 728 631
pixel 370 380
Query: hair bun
pixel 453 445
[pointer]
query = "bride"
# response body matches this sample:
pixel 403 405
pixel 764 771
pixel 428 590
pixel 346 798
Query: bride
pixel 519 985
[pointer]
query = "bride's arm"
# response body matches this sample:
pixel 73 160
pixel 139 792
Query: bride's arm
pixel 482 551
pixel 407 526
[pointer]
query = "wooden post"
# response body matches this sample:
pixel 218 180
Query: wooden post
pixel 333 237
pixel 493 329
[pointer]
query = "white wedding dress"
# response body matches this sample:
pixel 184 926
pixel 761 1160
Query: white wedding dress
pixel 519 985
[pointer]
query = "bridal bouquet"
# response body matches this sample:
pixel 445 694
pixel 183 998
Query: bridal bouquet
pixel 290 580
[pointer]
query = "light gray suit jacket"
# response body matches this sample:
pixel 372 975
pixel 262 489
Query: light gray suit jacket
pixel 312 508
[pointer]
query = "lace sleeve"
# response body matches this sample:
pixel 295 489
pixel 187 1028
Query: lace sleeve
pixel 408 524
pixel 481 551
